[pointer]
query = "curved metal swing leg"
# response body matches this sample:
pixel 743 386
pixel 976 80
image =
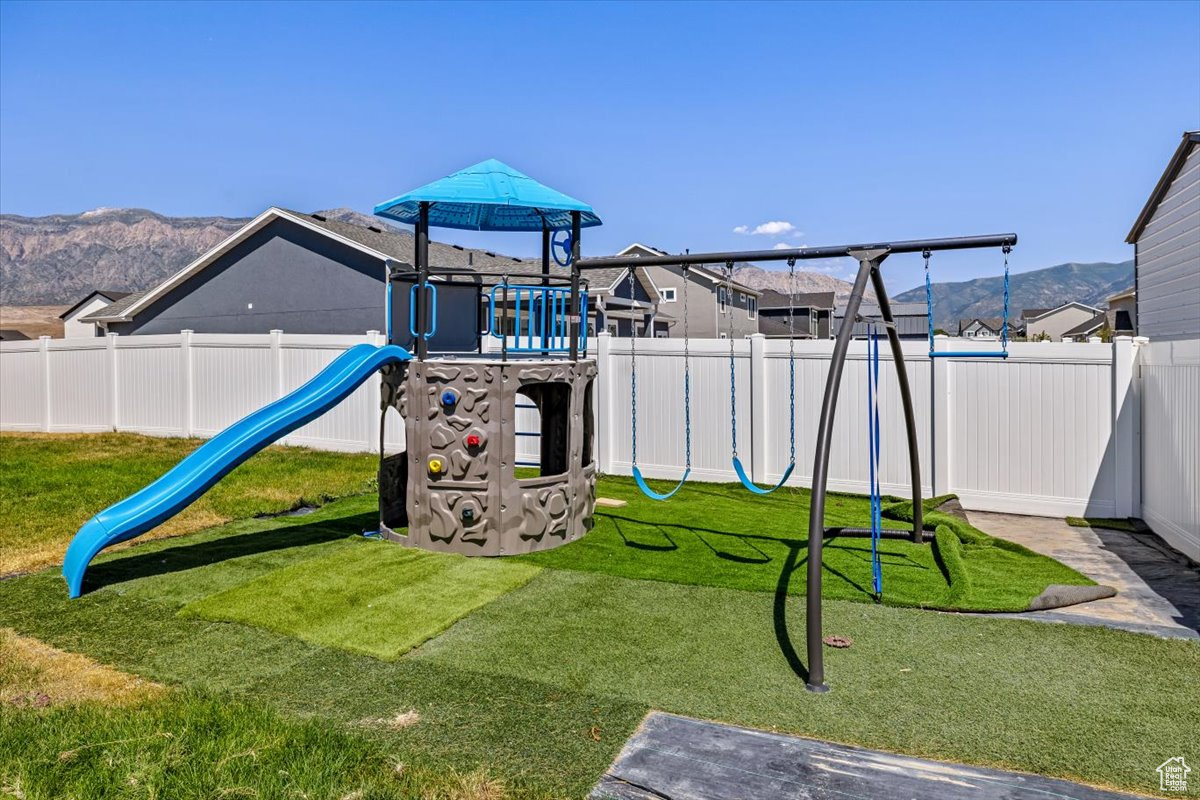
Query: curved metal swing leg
pixel 745 479
pixel 653 495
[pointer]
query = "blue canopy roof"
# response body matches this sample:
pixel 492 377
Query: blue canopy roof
pixel 490 196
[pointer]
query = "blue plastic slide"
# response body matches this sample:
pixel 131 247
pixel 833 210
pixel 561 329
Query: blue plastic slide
pixel 217 457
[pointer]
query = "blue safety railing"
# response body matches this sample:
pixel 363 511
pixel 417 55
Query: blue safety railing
pixel 541 317
pixel 412 310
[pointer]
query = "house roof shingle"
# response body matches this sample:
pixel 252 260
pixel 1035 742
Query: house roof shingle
pixel 108 294
pixel 1092 325
pixel 114 308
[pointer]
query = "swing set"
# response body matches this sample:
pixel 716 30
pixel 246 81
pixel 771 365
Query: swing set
pixel 870 257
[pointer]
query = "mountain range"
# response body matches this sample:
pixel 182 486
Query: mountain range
pixel 1041 288
pixel 58 259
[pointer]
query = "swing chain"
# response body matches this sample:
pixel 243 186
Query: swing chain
pixel 633 365
pixel 928 297
pixel 1004 323
pixel 792 359
pixel 732 372
pixel 687 377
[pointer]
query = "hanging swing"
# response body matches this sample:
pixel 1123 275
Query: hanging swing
pixel 687 396
pixel 873 440
pixel 1002 352
pixel 737 462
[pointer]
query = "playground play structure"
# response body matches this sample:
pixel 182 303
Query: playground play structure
pixel 456 488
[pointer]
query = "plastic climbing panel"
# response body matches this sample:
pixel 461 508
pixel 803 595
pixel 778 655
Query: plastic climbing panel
pixel 458 487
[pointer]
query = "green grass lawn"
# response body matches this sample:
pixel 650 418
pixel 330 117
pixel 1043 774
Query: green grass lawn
pixel 50 484
pixel 539 668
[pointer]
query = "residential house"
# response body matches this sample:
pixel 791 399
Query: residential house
pixel 1122 313
pixel 1088 328
pixel 1166 242
pixel 73 324
pixel 986 328
pixel 305 273
pixel 1053 323
pixel 1166 247
pixel 912 319
pixel 714 305
pixel 811 314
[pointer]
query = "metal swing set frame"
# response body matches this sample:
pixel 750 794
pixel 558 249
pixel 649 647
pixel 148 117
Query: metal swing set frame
pixel 870 258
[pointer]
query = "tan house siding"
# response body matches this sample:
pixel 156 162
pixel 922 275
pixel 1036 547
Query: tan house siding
pixel 1059 321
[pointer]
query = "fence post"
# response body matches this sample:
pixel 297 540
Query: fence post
pixel 114 382
pixel 604 381
pixel 1125 428
pixel 44 347
pixel 277 361
pixel 759 426
pixel 375 399
pixel 187 376
pixel 941 403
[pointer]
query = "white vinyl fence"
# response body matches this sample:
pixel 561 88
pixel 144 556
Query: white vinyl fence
pixel 1056 429
pixel 1170 442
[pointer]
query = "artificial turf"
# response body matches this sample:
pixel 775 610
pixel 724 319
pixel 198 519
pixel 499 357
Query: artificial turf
pixel 718 535
pixel 1103 522
pixel 537 690
pixel 368 597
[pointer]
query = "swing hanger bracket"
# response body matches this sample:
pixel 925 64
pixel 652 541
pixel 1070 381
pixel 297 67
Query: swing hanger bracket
pixel 876 254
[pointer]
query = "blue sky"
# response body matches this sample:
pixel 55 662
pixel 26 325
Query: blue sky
pixel 680 123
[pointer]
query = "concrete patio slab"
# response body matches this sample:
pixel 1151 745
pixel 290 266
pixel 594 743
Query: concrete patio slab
pixel 686 759
pixel 1158 590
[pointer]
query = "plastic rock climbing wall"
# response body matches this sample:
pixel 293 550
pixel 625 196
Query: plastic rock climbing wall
pixel 458 488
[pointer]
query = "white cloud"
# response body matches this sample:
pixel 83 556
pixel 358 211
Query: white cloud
pixel 772 228
pixel 783 246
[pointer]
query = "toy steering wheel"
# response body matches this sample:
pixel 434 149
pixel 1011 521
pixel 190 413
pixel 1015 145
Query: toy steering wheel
pixel 563 244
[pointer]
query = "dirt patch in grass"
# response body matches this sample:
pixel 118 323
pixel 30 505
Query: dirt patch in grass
pixel 36 675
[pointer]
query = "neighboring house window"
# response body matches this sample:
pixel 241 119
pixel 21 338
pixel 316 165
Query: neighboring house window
pixel 668 295
pixel 752 307
pixel 724 335
pixel 723 299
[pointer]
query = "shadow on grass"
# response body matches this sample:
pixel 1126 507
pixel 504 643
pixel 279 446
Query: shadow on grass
pixel 796 558
pixel 656 548
pixel 185 556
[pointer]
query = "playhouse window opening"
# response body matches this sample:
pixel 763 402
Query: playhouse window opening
pixel 542 430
